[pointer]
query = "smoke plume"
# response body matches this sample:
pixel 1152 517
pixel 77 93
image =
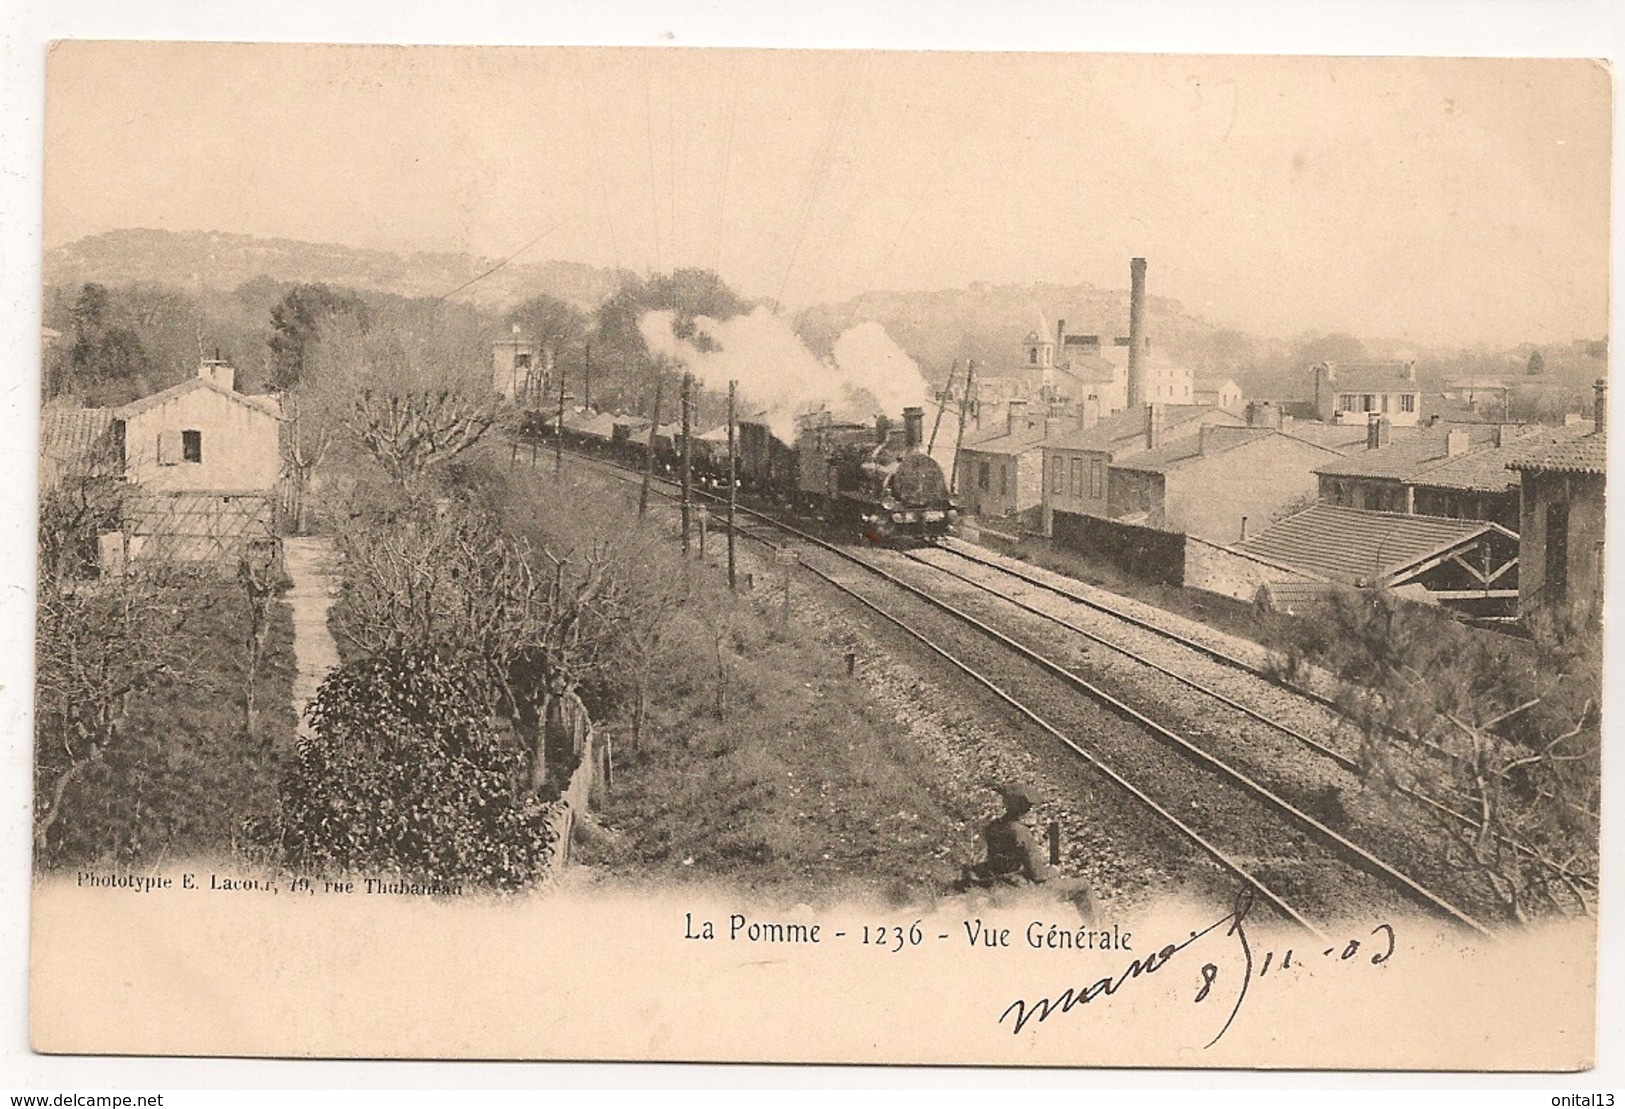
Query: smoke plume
pixel 868 373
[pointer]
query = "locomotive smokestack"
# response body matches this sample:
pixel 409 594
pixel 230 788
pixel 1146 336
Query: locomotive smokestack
pixel 913 427
pixel 1136 333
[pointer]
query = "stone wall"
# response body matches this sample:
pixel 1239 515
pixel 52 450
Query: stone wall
pixel 1230 573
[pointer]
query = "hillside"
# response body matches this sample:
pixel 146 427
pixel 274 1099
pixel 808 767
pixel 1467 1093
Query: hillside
pixel 988 323
pixel 216 260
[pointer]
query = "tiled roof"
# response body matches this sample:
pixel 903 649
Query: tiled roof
pixel 1189 448
pixel 1125 429
pixel 136 407
pixel 1354 546
pixel 1404 459
pixel 1585 455
pixel 1000 442
pixel 1423 461
pixel 1488 470
pixel 72 436
pixel 1299 596
pixel 1354 377
pixel 1342 438
pixel 1089 367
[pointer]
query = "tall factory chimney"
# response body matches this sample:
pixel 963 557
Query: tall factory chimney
pixel 1136 333
pixel 1060 340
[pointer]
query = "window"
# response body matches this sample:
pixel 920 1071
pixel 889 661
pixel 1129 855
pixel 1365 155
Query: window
pixel 1345 402
pixel 983 470
pixel 1058 481
pixel 1004 480
pixel 1032 356
pixel 522 361
pixel 1407 402
pixel 1385 402
pixel 192 446
pixel 1097 479
pixel 1368 403
pixel 1077 477
pixel 168 448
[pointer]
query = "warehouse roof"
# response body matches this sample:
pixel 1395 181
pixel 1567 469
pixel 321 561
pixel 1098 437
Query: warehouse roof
pixel 1359 547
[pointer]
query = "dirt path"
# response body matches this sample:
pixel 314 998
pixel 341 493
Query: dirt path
pixel 310 564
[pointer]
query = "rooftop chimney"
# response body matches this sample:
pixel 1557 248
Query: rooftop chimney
pixel 1263 413
pixel 1456 442
pixel 1136 332
pixel 1017 419
pixel 1153 425
pixel 1599 408
pixel 913 427
pixel 223 374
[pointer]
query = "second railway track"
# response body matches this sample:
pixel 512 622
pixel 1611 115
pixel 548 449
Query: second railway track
pixel 1309 872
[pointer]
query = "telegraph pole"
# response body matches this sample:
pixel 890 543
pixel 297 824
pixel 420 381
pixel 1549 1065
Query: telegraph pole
pixel 558 437
pixel 649 457
pixel 733 389
pixel 942 402
pixel 687 409
pixel 964 407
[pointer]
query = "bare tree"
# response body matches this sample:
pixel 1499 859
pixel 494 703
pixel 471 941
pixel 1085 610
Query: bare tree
pixel 98 644
pixel 407 433
pixel 452 578
pixel 306 436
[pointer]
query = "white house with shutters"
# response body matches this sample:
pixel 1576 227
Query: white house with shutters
pixel 200 436
pixel 200 463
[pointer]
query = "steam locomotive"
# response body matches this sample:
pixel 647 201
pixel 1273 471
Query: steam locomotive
pixel 873 481
pixel 869 481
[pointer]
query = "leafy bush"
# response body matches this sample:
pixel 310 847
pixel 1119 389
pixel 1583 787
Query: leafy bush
pixel 1505 731
pixel 405 774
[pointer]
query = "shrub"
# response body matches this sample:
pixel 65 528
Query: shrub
pixel 405 774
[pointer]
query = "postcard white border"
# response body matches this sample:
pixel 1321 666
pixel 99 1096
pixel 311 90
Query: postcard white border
pixel 1507 28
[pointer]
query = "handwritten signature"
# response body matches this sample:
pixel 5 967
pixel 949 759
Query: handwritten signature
pixel 1020 1013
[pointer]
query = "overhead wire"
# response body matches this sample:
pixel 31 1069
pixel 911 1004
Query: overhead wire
pixel 499 265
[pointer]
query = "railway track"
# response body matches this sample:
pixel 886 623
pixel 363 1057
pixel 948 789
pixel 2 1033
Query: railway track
pixel 1305 870
pixel 1256 684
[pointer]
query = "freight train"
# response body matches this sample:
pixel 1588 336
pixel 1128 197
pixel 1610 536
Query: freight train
pixel 870 481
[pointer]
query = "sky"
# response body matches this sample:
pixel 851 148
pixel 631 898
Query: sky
pixel 1445 201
